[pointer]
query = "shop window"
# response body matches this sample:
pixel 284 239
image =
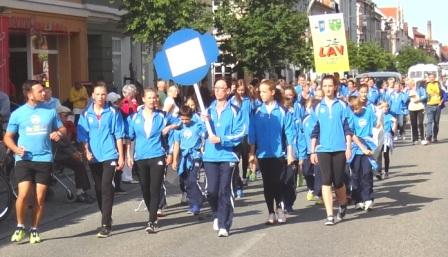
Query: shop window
pixel 17 41
pixel 116 61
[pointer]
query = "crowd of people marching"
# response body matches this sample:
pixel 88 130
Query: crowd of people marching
pixel 333 133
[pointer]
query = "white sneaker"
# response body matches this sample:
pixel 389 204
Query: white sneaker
pixel 215 224
pixel 271 219
pixel 281 217
pixel 395 138
pixel 368 205
pixel 183 198
pixel 359 206
pixel 403 138
pixel 223 232
pixel 424 142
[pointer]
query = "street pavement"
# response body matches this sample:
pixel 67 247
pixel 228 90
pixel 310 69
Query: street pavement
pixel 409 219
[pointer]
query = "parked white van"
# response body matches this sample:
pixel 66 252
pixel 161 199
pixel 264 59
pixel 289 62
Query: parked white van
pixel 420 71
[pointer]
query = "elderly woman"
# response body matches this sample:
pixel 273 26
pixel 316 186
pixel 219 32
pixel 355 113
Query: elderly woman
pixel 128 107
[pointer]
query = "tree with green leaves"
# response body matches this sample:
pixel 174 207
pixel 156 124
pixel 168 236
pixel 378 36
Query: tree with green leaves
pixel 369 57
pixel 262 35
pixel 152 21
pixel 409 56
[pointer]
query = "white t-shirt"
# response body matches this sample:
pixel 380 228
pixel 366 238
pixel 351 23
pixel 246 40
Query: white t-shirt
pixel 170 106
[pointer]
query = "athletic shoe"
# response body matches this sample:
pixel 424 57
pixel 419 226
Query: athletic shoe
pixel 425 142
pixel 359 206
pixel 329 221
pixel 368 205
pixel 271 219
pixel 281 217
pixel 151 227
pixel 160 213
pixel 215 224
pixel 318 200
pixel 379 176
pixel 18 235
pixel 223 232
pixel 342 211
pixel 34 236
pixel 132 181
pixel 104 232
pixel 403 138
pixel 386 175
pixel 310 195
pixel 244 181
pixel 183 198
pixel 195 210
pixel 396 138
pixel 84 198
pixel 239 193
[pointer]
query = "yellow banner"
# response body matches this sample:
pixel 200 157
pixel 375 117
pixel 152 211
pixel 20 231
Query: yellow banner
pixel 329 43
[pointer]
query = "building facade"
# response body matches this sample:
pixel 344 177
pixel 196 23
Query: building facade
pixel 67 41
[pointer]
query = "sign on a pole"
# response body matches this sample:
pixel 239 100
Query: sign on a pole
pixel 329 43
pixel 186 57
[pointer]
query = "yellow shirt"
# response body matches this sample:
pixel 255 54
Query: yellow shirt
pixel 434 94
pixel 78 97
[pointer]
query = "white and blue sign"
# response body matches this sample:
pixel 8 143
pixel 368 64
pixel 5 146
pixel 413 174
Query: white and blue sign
pixel 186 57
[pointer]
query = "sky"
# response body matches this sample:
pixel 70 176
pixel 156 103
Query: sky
pixel 418 12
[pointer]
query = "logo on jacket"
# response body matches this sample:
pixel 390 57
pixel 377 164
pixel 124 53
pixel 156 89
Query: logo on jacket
pixel 362 123
pixel 187 134
pixel 35 119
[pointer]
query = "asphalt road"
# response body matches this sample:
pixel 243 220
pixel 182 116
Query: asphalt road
pixel 409 219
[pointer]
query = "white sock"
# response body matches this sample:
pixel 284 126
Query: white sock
pixel 33 228
pixel 20 225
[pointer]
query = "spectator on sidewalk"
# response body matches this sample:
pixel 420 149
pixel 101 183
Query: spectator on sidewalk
pixel 416 107
pixel 78 97
pixel 433 109
pixel 66 155
pixel 50 101
pixel 128 106
pixel 161 92
pixel 4 110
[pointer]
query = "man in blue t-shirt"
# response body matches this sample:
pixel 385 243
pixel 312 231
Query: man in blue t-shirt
pixel 36 125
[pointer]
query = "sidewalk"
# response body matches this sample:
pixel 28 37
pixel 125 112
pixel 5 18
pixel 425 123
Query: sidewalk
pixel 58 207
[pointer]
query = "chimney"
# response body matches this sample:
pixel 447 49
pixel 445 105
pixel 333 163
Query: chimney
pixel 429 32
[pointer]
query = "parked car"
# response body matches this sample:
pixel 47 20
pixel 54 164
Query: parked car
pixel 379 76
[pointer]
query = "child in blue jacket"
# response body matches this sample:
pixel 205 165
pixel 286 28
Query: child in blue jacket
pixel 187 156
pixel 398 104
